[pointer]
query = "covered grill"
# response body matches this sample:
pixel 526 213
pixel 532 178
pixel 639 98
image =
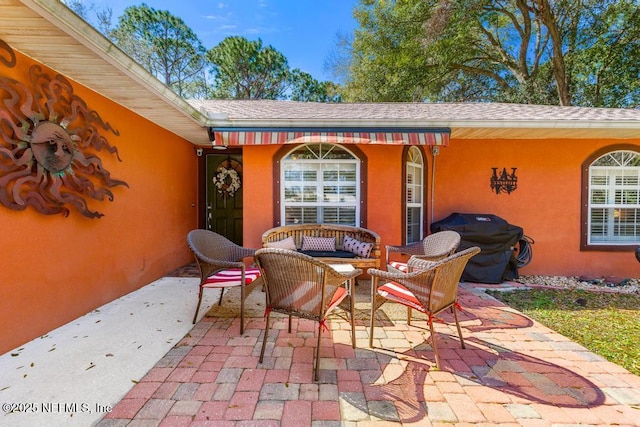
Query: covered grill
pixel 497 240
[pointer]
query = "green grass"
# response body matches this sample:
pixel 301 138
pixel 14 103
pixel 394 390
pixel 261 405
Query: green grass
pixel 607 324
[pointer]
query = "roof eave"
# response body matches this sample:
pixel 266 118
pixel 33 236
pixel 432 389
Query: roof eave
pixel 61 16
pixel 64 19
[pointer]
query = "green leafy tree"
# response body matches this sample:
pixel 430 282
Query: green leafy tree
pixel 529 51
pixel 168 49
pixel 388 57
pixel 307 89
pixel 607 71
pixel 246 69
pixel 165 46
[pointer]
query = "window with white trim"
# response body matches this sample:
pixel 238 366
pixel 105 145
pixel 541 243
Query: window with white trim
pixel 414 190
pixel 320 184
pixel 614 199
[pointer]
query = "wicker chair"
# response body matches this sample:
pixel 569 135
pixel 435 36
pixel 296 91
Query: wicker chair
pixel 220 263
pixel 434 247
pixel 302 286
pixel 431 287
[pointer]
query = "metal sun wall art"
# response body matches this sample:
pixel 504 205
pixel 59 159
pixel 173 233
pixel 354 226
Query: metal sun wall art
pixel 504 181
pixel 49 145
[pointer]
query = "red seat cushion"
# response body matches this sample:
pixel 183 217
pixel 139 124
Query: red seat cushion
pixel 338 296
pixel 231 277
pixel 400 266
pixel 396 292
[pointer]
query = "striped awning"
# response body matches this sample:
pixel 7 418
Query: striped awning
pixel 250 136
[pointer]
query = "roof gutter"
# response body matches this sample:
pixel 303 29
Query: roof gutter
pixel 223 121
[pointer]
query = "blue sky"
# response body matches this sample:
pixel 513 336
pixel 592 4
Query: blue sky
pixel 303 30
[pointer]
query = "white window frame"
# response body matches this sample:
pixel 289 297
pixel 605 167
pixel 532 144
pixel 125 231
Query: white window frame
pixel 614 199
pixel 321 162
pixel 414 192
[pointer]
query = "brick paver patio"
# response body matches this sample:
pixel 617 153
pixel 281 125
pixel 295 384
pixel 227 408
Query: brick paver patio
pixel 513 372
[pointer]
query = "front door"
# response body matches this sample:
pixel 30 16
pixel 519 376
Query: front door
pixel 224 195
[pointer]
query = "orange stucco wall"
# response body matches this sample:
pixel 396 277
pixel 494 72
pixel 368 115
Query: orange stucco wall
pixel 546 203
pixel 54 269
pixel 384 174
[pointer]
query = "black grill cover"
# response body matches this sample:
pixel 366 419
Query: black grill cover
pixel 496 239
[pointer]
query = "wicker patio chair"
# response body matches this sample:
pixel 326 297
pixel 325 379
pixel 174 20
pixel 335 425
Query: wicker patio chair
pixel 434 247
pixel 431 287
pixel 302 286
pixel 221 266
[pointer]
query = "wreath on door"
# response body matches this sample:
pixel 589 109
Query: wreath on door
pixel 227 178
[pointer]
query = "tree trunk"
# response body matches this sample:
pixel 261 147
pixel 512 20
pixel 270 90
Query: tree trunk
pixel 548 18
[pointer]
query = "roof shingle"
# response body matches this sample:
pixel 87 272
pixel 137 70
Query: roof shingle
pixel 269 109
pixel 466 120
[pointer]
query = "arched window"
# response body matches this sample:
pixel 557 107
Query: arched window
pixel 320 183
pixel 414 195
pixel 613 208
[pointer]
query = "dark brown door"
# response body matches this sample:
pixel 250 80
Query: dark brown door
pixel 224 195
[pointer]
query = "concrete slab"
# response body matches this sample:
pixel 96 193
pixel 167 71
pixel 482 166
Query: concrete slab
pixel 73 375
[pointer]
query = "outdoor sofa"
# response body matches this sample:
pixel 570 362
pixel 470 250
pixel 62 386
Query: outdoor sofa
pixel 331 243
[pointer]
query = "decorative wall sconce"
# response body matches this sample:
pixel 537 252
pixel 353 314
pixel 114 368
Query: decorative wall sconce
pixel 504 181
pixel 50 143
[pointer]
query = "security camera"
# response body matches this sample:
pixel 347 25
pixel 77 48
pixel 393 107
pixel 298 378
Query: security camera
pixel 199 152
